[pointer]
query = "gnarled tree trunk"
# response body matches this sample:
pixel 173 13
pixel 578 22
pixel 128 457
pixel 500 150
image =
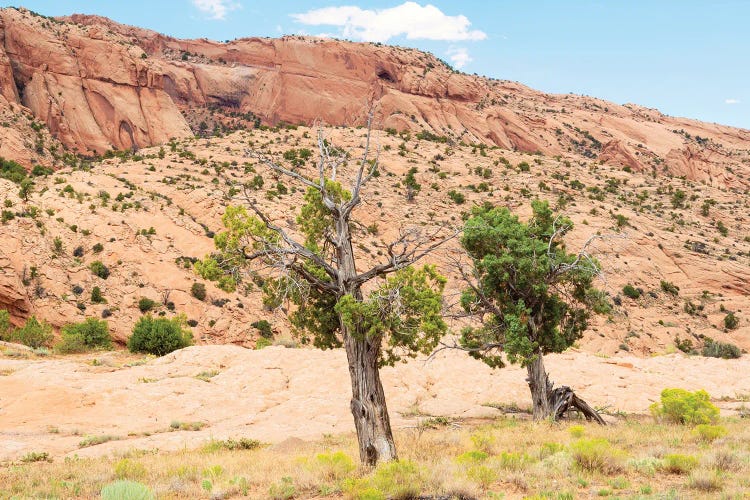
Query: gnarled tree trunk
pixel 540 387
pixel 368 405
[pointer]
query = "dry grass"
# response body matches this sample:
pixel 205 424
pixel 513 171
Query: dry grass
pixel 517 458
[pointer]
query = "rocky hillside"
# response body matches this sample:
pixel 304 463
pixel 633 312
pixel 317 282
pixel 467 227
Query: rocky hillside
pixel 148 216
pixel 99 85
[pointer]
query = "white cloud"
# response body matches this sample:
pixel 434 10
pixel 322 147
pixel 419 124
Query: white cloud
pixel 459 56
pixel 380 25
pixel 216 9
pixel 731 101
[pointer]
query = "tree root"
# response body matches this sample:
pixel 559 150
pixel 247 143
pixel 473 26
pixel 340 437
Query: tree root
pixel 563 399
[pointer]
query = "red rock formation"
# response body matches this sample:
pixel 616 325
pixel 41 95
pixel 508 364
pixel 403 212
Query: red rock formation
pixel 98 84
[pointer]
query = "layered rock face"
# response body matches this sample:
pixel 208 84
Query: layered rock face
pixel 100 85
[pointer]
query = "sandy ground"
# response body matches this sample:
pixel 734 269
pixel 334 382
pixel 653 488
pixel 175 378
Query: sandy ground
pixel 277 393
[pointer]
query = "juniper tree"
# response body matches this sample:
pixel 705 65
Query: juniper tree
pixel 532 296
pixel 380 315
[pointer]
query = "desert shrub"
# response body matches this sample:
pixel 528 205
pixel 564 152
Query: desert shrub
pixel 335 466
pixel 33 333
pixel 96 296
pixel 126 490
pixel 708 432
pixel 458 198
pixel 705 480
pixel 471 457
pixel 232 444
pixel 97 248
pixel 99 269
pixel 576 430
pixel 89 334
pixel 261 343
pixel 198 290
pixel 676 463
pixel 283 490
pixel 685 407
pixel 227 283
pixel 402 479
pixel 36 456
pixel 129 469
pixel 631 292
pixel 96 440
pixel 159 336
pixel 264 327
pixel 597 455
pixel 145 304
pixel 669 288
pixel 5 326
pixel 714 349
pixel 731 321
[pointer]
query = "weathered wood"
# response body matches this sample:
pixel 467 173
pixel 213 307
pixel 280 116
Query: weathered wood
pixel 563 399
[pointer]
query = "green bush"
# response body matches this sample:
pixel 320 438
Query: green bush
pixel 33 333
pixel 145 304
pixel 99 269
pixel 402 479
pixel 684 407
pixel 713 349
pixel 159 336
pixel 129 469
pixel 126 490
pixel 5 326
pixel 669 288
pixel 264 327
pixel 458 198
pixel 97 297
pixel 676 463
pixel 335 466
pixel 631 292
pixel 89 334
pixel 597 455
pixel 731 321
pixel 198 290
pixel 708 432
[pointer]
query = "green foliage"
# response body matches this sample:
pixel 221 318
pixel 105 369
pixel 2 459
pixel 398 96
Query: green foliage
pixel 26 186
pixel 458 198
pixel 534 297
pixel 89 334
pixel 412 186
pixel 283 490
pixel 410 324
pixel 198 290
pixel 708 432
pixel 597 455
pixel 731 321
pixel 126 490
pixel 676 463
pixel 5 326
pixel 714 349
pixel 232 444
pixel 264 327
pixel 96 296
pixel 684 407
pixel 335 466
pixel 12 171
pixel 99 269
pixel 631 292
pixel 159 336
pixel 669 288
pixel 402 479
pixel 129 469
pixel 145 304
pixel 33 333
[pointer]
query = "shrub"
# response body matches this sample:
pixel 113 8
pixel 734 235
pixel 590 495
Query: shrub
pixel 676 463
pixel 669 288
pixel 129 469
pixel 145 304
pixel 89 334
pixel 264 327
pixel 458 198
pixel 96 296
pixel 198 290
pixel 704 480
pixel 335 466
pixel 731 321
pixel 631 292
pixel 33 333
pixel 232 444
pixel 684 407
pixel 713 349
pixel 596 455
pixel 403 479
pixel 5 326
pixel 126 490
pixel 708 432
pixel 97 248
pixel 99 269
pixel 36 456
pixel 159 336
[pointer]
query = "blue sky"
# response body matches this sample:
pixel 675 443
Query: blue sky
pixel 686 57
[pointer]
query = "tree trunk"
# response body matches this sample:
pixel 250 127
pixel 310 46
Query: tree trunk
pixel 540 387
pixel 368 405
